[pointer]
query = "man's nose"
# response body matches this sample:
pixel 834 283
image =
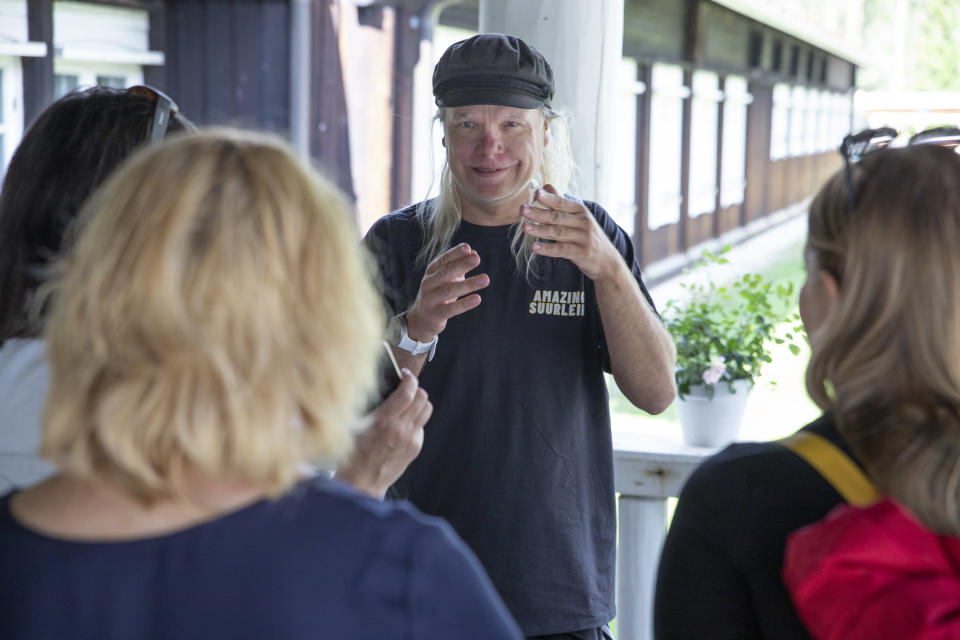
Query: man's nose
pixel 491 142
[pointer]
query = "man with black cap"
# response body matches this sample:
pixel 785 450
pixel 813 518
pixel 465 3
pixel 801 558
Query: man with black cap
pixel 518 455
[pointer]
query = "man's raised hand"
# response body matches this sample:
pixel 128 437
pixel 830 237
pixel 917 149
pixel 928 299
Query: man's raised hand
pixel 445 291
pixel 575 233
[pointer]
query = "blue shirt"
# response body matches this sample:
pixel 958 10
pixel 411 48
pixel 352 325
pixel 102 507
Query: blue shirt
pixel 320 562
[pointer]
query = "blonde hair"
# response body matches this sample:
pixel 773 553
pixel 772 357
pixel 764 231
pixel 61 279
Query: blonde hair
pixel 886 360
pixel 441 217
pixel 217 313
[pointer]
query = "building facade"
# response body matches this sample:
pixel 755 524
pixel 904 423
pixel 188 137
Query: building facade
pixel 726 112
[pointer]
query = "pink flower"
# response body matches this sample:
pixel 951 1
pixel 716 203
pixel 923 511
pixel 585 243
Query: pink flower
pixel 714 373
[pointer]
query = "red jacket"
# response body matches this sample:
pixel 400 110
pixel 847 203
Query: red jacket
pixel 876 574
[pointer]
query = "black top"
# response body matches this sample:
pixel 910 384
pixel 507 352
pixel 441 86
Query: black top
pixel 719 574
pixel 518 454
pixel 320 562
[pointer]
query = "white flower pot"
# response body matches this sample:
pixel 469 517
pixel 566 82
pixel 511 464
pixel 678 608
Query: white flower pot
pixel 713 422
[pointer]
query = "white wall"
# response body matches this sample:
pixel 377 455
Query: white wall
pixel 98 44
pixel 583 41
pixel 13 43
pixel 428 152
pixel 11 108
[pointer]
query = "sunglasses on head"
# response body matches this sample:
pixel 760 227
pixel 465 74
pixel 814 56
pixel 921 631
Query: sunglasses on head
pixel 856 145
pixel 164 108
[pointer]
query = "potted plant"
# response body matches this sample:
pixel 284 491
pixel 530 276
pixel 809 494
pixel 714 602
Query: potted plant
pixel 723 335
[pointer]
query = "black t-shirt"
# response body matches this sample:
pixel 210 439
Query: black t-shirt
pixel 518 455
pixel 719 574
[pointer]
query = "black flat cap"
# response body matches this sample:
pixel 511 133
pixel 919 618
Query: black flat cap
pixel 492 68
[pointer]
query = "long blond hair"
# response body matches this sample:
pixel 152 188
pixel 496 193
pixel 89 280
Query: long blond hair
pixel 441 216
pixel 886 360
pixel 216 314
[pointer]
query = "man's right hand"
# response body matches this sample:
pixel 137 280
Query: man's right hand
pixel 445 291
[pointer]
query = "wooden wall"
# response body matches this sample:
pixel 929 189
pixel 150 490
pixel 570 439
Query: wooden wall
pixel 697 34
pixel 228 62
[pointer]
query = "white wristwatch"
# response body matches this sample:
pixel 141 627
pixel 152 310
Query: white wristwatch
pixel 397 335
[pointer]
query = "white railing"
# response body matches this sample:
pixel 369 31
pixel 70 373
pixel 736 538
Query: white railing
pixel 648 469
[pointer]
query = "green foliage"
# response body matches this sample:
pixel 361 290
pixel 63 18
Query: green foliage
pixel 910 44
pixel 938 65
pixel 724 331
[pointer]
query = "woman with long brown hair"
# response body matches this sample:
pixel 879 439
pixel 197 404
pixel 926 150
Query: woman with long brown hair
pixel 886 364
pixel 881 307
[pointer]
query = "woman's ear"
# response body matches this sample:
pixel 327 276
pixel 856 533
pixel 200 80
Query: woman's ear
pixel 829 291
pixel 830 285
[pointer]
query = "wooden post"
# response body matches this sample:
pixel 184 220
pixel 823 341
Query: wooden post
pixel 406 52
pixel 156 75
pixel 38 72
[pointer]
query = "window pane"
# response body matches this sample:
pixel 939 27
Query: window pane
pixel 64 84
pixel 843 117
pixel 779 128
pixel 118 82
pixel 797 120
pixel 810 134
pixel 666 136
pixel 2 110
pixel 703 143
pixel 824 114
pixel 733 167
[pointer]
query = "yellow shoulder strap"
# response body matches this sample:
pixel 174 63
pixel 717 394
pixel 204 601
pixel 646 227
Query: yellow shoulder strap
pixel 834 465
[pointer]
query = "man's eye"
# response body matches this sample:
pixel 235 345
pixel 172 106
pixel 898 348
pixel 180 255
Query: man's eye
pixel 466 124
pixel 513 123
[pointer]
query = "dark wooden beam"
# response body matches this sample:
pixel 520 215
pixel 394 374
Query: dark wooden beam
pixel 157 29
pixel 693 33
pixel 693 53
pixel 642 177
pixel 329 138
pixel 685 164
pixel 716 203
pixel 38 72
pixel 406 51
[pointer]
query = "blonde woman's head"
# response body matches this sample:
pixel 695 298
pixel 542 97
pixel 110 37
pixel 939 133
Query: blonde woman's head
pixel 216 314
pixel 885 359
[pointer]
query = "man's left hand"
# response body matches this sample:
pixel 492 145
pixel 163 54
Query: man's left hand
pixel 575 233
